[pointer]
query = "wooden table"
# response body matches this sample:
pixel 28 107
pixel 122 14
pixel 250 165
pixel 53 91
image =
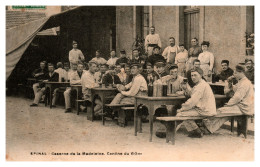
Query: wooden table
pixel 78 90
pixel 51 86
pixel 151 102
pixel 106 95
pixel 218 87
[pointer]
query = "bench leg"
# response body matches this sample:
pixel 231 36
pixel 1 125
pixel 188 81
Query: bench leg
pixel 139 124
pixel 232 124
pixel 121 117
pixel 245 126
pixel 77 107
pixel 46 100
pixel 242 125
pixel 103 117
pixel 170 131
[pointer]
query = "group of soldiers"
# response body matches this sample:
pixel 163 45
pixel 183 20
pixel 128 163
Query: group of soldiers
pixel 131 77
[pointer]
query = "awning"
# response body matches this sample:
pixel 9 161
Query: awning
pixel 19 37
pixel 17 41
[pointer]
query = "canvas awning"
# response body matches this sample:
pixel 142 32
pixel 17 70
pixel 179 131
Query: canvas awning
pixel 19 37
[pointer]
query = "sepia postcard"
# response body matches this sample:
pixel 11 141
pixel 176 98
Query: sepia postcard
pixel 130 83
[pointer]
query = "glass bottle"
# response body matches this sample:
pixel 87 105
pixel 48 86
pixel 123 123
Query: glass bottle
pixel 164 88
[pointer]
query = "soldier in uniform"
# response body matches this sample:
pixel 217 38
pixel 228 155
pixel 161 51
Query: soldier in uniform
pixel 152 40
pixel 75 55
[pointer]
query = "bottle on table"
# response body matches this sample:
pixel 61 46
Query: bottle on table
pixel 164 88
pixel 150 88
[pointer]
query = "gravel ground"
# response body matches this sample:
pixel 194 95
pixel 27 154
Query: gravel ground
pixel 40 133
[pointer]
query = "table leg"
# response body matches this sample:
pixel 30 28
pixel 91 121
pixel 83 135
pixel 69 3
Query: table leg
pixel 150 109
pixel 45 97
pixel 50 96
pixel 135 117
pixel 77 98
pixel 232 124
pixel 92 106
pixel 103 106
pixel 172 129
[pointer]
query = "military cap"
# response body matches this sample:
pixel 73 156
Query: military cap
pixel 225 61
pixel 240 68
pixel 135 64
pixel 173 67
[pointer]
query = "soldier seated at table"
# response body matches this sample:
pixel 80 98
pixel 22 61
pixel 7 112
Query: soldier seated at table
pixel 226 71
pixel 160 68
pixel 51 76
pixel 129 76
pixel 151 75
pixel 120 72
pixel 201 103
pixel 75 79
pixel 67 66
pixel 174 85
pixel 88 82
pixel 196 65
pixel 138 87
pixel 173 81
pixel 242 101
pixel 39 74
pixel 250 71
pixel 101 73
pixel 111 78
pixel 63 77
pixel 63 74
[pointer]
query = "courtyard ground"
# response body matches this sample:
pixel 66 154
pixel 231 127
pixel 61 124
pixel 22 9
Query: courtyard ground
pixel 40 133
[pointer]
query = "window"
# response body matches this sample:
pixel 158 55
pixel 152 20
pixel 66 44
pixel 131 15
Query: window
pixel 145 21
pixel 191 24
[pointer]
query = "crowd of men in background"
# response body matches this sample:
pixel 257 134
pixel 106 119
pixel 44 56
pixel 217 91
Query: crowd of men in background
pixel 132 75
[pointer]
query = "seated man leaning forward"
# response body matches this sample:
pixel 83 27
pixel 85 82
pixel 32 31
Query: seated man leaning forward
pixel 88 81
pixel 242 102
pixel 138 87
pixel 51 76
pixel 201 103
pixel 75 79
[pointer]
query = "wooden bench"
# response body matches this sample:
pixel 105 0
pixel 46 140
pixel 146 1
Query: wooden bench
pixel 170 124
pixel 122 110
